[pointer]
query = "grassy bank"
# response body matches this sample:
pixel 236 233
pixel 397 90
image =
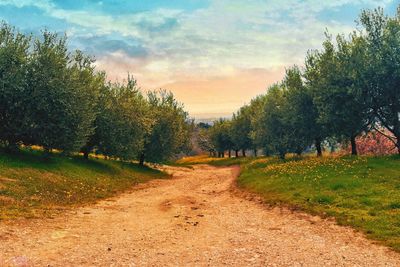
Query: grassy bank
pixel 361 192
pixel 33 187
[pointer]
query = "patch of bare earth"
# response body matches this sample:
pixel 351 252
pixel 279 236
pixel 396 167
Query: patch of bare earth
pixel 193 219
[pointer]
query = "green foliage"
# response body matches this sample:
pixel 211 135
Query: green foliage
pixel 47 94
pixel 341 109
pixel 346 89
pixel 380 73
pixel 122 121
pixel 301 112
pixel 170 129
pixel 221 136
pixel 56 99
pixel 14 48
pixel 256 112
pixel 240 129
pixel 273 127
pixel 60 109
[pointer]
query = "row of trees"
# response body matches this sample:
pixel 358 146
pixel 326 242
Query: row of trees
pixel 349 87
pixel 56 99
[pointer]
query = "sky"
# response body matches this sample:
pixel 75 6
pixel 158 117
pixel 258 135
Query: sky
pixel 214 55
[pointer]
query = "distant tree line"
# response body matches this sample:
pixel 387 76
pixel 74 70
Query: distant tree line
pixel 348 88
pixel 56 99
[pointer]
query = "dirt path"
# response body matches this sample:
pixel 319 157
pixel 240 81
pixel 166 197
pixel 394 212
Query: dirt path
pixel 190 220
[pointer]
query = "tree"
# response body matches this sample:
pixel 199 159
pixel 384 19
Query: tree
pixel 204 139
pixel 340 108
pixel 87 85
pixel 170 129
pixel 317 129
pixel 240 130
pixel 380 75
pixel 62 92
pixel 255 112
pixel 300 112
pixel 56 99
pixel 122 121
pixel 274 131
pixel 220 136
pixel 14 56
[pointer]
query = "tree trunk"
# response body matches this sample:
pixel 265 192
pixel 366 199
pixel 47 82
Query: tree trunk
pixel 230 153
pixel 397 135
pixel 398 145
pixel 255 152
pixel 282 155
pixel 333 149
pixel 237 153
pixel 299 151
pixel 319 147
pixel 47 153
pixel 353 145
pixel 244 152
pixel 11 148
pixel 141 160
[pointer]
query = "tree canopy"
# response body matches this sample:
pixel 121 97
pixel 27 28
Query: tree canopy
pixel 54 98
pixel 348 88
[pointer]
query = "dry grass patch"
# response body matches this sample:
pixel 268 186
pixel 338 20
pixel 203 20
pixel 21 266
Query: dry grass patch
pixel 32 186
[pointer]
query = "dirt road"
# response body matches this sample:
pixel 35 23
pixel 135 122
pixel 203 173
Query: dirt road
pixel 193 219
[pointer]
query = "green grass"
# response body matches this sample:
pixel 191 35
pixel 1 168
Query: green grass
pixel 361 192
pixel 31 186
pixel 204 159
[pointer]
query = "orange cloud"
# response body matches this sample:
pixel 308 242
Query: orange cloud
pixel 203 94
pixel 222 95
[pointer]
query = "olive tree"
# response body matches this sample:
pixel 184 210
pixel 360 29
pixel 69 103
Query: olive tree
pixel 62 92
pixel 14 57
pixel 240 131
pixel 122 121
pixel 221 136
pixel 380 72
pixel 170 128
pixel 340 108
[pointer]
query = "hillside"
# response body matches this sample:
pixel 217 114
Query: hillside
pixel 31 186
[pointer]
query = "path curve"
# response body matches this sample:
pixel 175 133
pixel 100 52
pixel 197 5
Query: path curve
pixel 193 219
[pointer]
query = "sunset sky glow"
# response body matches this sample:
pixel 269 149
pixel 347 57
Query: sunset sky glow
pixel 215 55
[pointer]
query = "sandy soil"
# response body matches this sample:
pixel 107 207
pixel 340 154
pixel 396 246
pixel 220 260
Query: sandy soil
pixel 194 219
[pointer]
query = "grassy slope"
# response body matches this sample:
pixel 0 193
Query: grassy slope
pixel 32 187
pixel 362 192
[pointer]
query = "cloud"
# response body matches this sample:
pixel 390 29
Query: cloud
pixel 102 45
pixel 226 34
pixel 217 48
pixel 222 94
